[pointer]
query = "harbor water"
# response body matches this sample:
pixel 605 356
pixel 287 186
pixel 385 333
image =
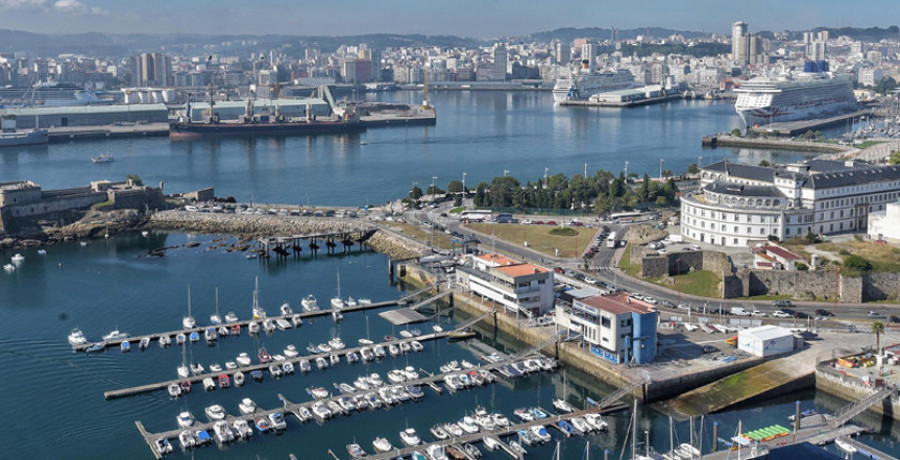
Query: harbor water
pixel 480 133
pixel 54 396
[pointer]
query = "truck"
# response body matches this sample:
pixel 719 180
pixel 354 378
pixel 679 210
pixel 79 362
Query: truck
pixel 740 311
pixel 675 238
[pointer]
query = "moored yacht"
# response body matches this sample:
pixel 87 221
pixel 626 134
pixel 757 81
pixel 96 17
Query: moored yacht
pixel 188 321
pixel 309 303
pixel 215 412
pixel 76 337
pixel 247 406
pixel 382 445
pixel 410 437
pixel 185 419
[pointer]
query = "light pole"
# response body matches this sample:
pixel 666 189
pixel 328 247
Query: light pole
pixel 626 171
pixel 585 171
pixel 464 183
pixel 505 172
pixel 660 168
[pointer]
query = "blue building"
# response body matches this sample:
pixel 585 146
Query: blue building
pixel 618 328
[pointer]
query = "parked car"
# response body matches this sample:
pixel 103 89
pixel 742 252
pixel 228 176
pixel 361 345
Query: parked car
pixel 875 314
pixel 826 313
pixel 758 313
pixel 781 314
pixel 783 303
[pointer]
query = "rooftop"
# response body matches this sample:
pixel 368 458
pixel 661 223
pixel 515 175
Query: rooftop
pixel 521 269
pixel 730 188
pixel 779 251
pixel 498 259
pixel 767 332
pixel 617 304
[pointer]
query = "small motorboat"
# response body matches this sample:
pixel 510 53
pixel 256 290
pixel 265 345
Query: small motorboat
pixel 253 327
pixel 215 412
pixel 596 421
pixel 194 337
pixel 321 363
pixel 275 370
pixel 9 267
pixel 18 259
pixel 581 425
pixel 352 357
pixel 247 406
pixel 164 341
pixel 335 359
pixel 223 432
pixel 264 356
pixel 304 365
pixel 356 451
pixel 410 437
pixel 286 309
pixel 436 452
pixel 231 317
pixel 845 446
pixel 230 365
pixel 406 334
pixel 321 411
pixel 468 424
pixel 103 158
pixel 185 419
pixel 394 350
pixel 382 445
pixel 115 335
pixel 291 351
pixel 162 446
pixel 239 378
pixel 235 329
pixel 566 427
pixel 491 443
pixel 268 325
pixel 453 429
pixel 96 347
pixel 518 449
pixel 524 415
pixel 174 390
pixel 336 343
pixel 309 303
pixel 472 451
pixel 379 352
pixel 76 337
pixel 243 359
pixel 417 346
pixel 439 433
pixel 185 386
pixel 262 424
pixel 538 412
pixel 242 428
pixel 209 384
pixel 215 367
pixel 180 338
pixel 296 320
pixel 224 381
pixel 337 315
pixel 203 437
pixel 197 368
pixel 287 368
pixel 455 452
pixel 125 346
pixel 186 439
pixel 541 433
pixel 350 303
pixel 318 392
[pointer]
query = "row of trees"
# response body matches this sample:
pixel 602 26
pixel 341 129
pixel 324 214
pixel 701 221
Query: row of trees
pixel 603 192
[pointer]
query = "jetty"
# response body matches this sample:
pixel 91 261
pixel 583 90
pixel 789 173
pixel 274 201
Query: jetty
pixel 293 408
pixel 245 323
pixel 792 128
pixel 130 391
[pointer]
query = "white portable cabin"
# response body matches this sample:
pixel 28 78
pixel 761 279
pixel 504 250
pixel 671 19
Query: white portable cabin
pixel 766 341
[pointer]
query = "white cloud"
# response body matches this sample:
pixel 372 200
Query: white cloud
pixel 76 8
pixel 26 5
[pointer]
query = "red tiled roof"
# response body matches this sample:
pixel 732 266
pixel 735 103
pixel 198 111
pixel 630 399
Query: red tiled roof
pixel 783 253
pixel 521 269
pixel 498 259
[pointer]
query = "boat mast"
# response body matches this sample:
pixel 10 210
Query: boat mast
pixel 671 437
pixel 692 436
pixel 217 301
pixel 634 430
pixel 189 300
pixel 739 439
pixel 256 295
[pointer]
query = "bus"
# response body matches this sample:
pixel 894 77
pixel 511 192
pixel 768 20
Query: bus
pixel 630 217
pixel 476 215
pixel 611 240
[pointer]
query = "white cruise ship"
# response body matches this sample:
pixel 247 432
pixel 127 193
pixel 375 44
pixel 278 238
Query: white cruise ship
pixel 581 85
pixel 794 96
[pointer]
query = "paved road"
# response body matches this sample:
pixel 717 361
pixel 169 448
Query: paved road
pixel 616 278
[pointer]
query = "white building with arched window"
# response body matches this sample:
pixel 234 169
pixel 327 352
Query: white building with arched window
pixel 738 205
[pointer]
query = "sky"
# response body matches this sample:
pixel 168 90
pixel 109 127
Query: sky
pixel 467 18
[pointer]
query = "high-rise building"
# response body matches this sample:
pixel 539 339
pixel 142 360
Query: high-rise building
pixel 589 53
pixel 151 69
pixel 500 59
pixel 738 30
pixel 754 49
pixel 376 65
pixel 815 45
pixel 563 53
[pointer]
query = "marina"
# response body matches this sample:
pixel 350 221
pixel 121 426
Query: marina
pixel 197 378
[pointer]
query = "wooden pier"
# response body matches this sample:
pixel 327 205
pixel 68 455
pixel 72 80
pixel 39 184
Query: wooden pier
pixel 194 379
pixel 281 245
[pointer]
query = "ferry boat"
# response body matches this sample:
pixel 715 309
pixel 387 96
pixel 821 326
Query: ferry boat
pixel 813 93
pixel 103 158
pixel 581 84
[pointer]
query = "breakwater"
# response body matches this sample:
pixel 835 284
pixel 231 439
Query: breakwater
pixel 727 140
pixel 251 226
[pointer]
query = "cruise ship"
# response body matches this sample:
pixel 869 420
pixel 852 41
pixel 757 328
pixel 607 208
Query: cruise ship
pixel 794 96
pixel 581 85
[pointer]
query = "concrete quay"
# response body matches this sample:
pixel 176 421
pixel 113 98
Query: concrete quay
pixel 69 133
pixel 727 140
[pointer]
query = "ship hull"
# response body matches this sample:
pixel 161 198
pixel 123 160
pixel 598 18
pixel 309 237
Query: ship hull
pixel 187 131
pixel 38 137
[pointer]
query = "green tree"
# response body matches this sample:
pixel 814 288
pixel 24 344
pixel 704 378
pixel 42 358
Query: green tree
pixel 736 132
pixel 693 169
pixel 415 192
pixel 434 190
pixel 661 202
pixel 885 85
pixel 481 198
pixel 878 329
pixel 667 173
pixel 135 179
pixel 895 158
pixel 455 186
pixel 765 163
pixel 857 263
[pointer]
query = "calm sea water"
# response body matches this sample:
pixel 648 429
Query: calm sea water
pixel 480 133
pixel 53 398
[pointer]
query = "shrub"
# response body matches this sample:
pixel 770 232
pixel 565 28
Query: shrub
pixel 802 266
pixel 857 263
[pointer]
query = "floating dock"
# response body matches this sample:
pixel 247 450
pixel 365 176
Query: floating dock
pixel 409 315
pixel 793 128
pixel 114 394
pixel 304 315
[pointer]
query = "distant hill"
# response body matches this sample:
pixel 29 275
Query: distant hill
pixel 567 34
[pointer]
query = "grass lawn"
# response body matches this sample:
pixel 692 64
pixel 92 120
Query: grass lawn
pixel 539 237
pixel 441 239
pixel 701 283
pixel 884 257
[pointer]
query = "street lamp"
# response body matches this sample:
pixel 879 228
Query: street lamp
pixel 660 168
pixel 464 183
pixel 626 171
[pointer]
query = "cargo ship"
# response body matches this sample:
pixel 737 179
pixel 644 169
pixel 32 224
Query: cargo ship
pixel 262 125
pixel 10 136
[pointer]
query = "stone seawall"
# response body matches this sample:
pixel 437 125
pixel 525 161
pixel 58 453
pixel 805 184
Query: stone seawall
pixel 393 244
pixel 821 285
pixel 851 389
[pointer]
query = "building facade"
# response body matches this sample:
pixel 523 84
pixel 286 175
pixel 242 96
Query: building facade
pixel 617 328
pixel 521 288
pixel 151 69
pixel 738 205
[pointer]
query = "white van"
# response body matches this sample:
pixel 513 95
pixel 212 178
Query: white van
pixel 739 311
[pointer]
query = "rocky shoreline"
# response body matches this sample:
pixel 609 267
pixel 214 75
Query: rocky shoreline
pixel 84 224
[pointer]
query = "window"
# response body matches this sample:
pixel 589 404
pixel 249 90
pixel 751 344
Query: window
pixel 735 241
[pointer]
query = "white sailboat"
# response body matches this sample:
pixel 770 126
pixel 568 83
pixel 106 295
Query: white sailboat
pixel 183 370
pixel 258 312
pixel 216 319
pixel 188 321
pixel 336 302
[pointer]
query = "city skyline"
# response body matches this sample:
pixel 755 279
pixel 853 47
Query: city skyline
pixel 465 18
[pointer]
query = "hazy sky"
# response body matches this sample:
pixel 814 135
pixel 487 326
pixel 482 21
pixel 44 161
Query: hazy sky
pixel 473 18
